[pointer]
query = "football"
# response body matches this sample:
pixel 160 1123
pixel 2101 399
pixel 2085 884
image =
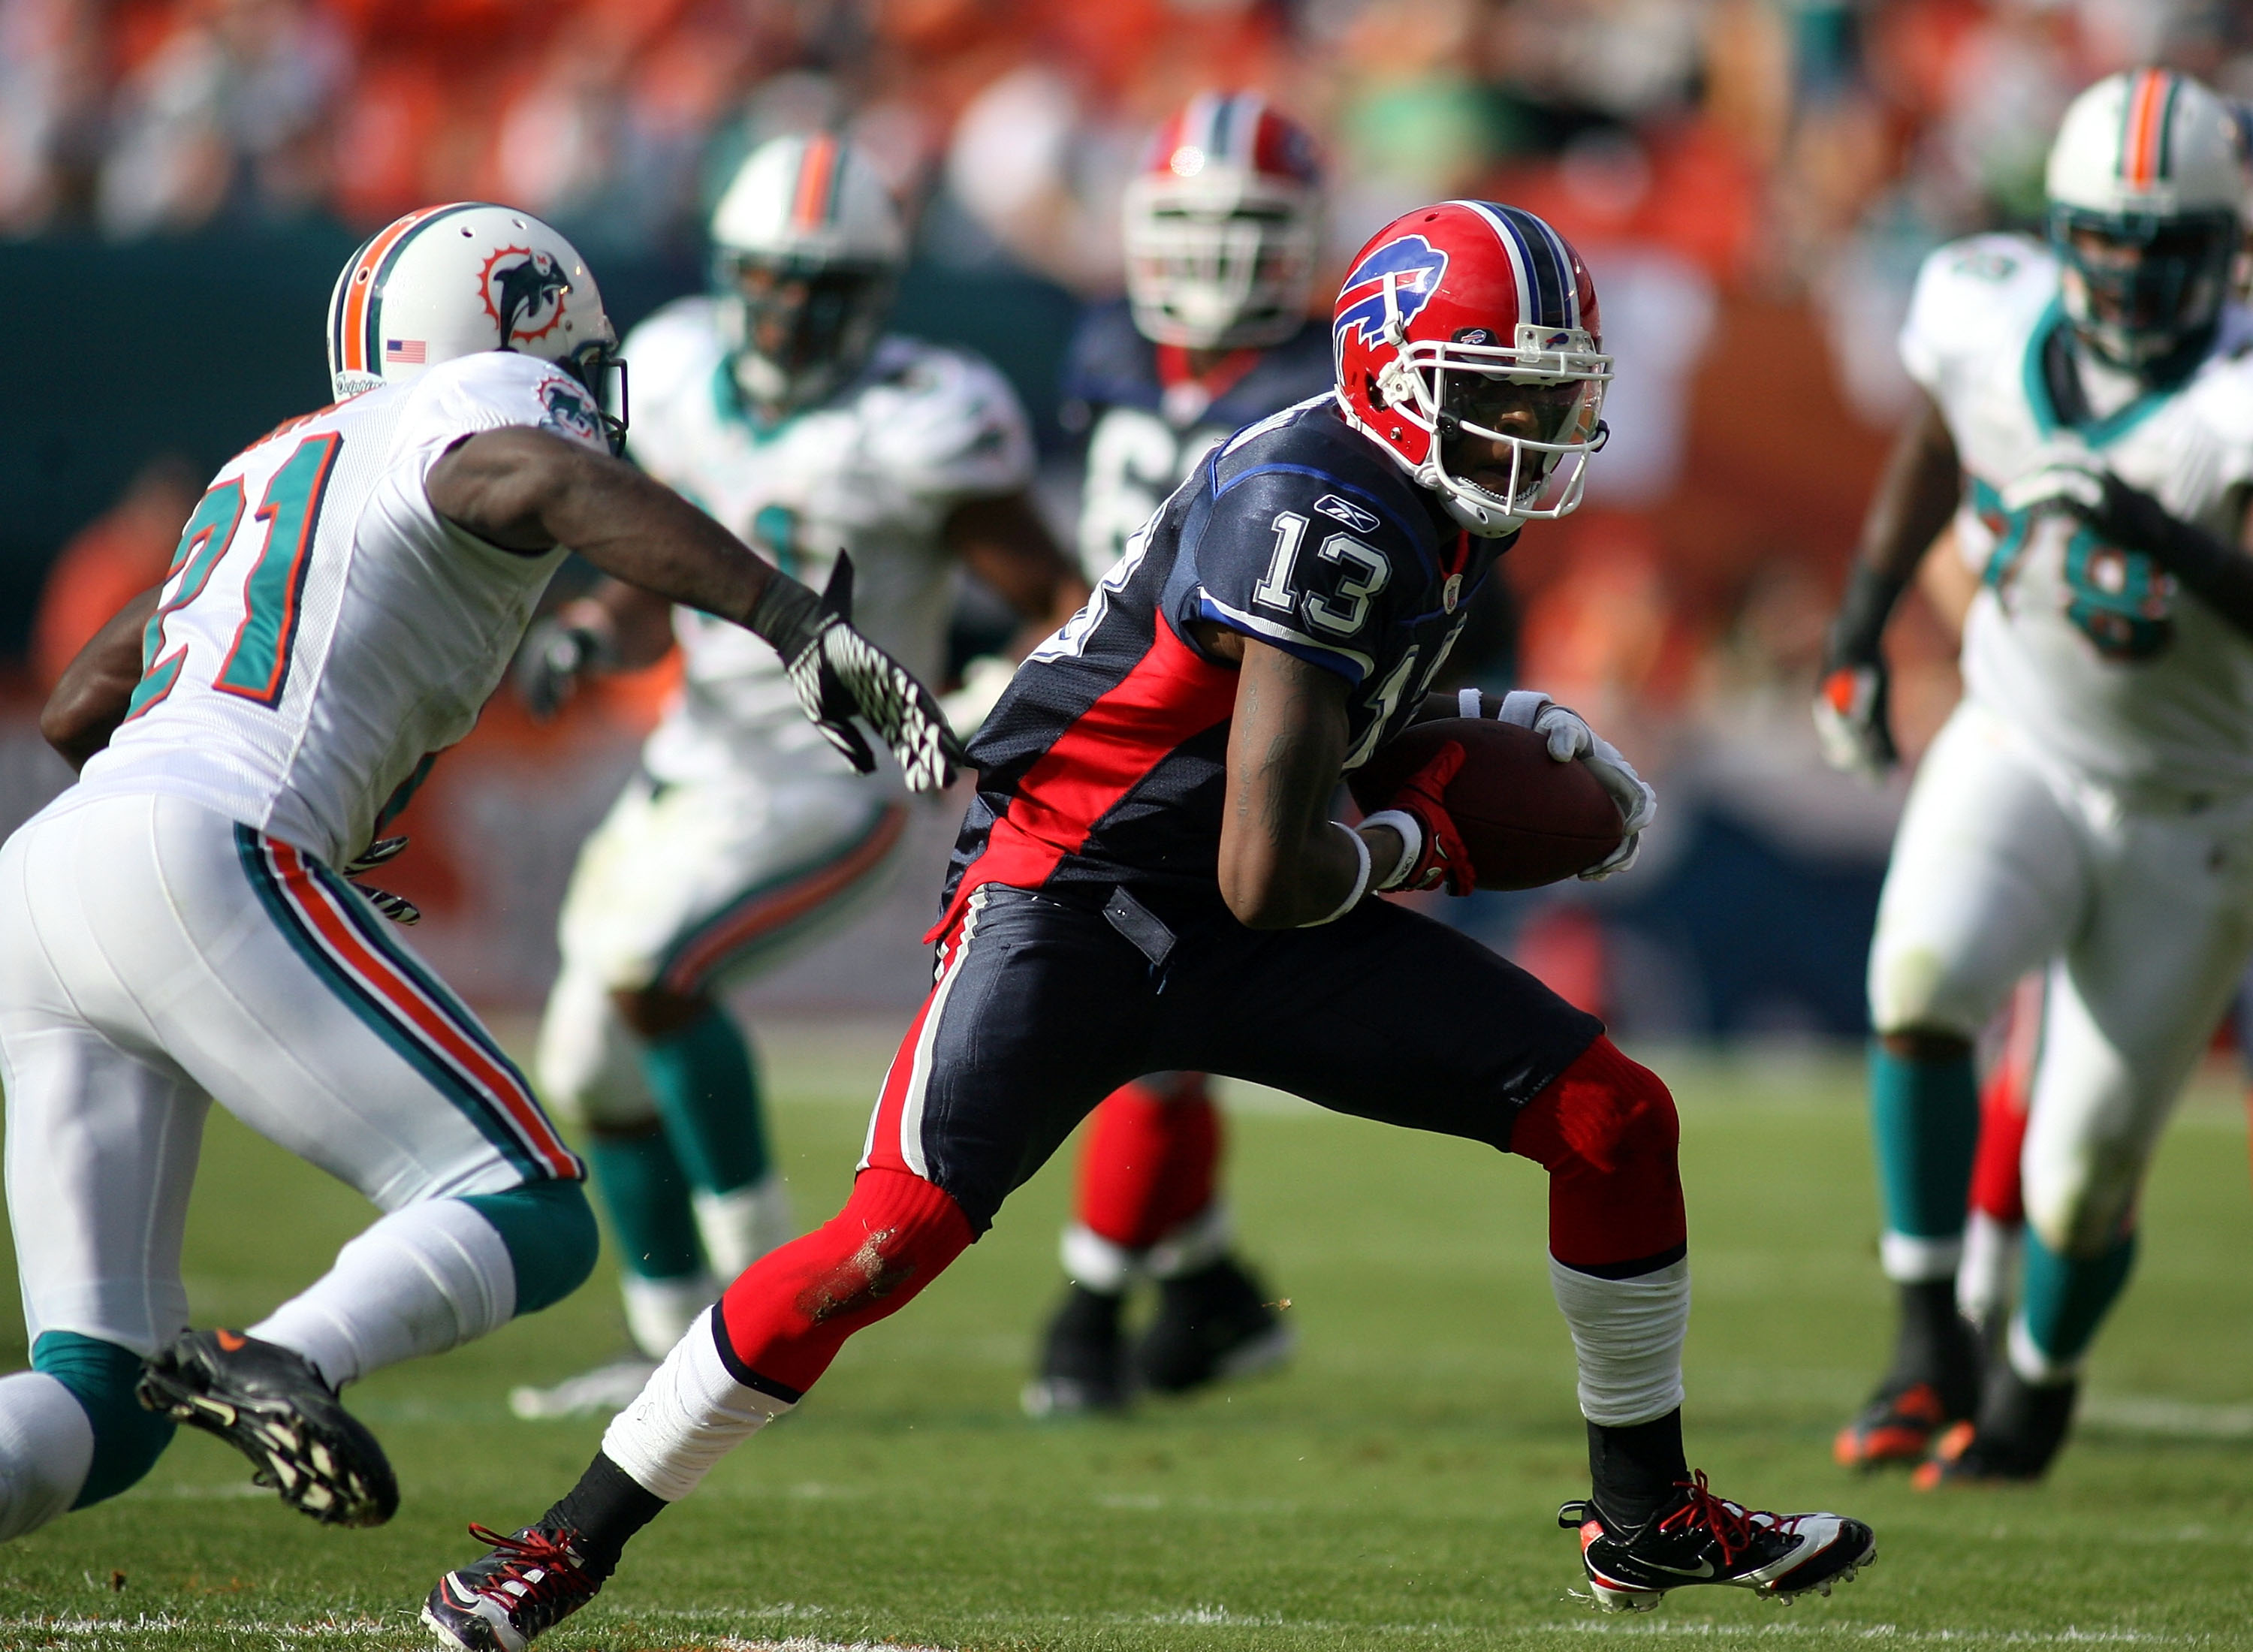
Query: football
pixel 1526 819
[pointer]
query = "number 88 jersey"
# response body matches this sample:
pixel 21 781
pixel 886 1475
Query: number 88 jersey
pixel 322 631
pixel 2093 652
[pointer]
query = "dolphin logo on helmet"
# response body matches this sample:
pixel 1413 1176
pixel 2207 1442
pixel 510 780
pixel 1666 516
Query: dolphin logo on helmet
pixel 524 294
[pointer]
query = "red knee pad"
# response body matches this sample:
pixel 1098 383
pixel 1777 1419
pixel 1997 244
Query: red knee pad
pixel 1606 1131
pixel 791 1310
pixel 1152 1155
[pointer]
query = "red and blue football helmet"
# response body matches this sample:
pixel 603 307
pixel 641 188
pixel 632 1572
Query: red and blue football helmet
pixel 1473 319
pixel 1223 224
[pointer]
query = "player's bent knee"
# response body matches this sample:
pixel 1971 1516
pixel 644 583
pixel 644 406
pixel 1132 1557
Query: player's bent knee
pixel 101 1376
pixel 549 1229
pixel 791 1311
pixel 1607 1132
pixel 1914 994
pixel 2084 1214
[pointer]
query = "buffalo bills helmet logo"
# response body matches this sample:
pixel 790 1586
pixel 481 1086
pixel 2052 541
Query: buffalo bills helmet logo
pixel 1417 267
pixel 524 294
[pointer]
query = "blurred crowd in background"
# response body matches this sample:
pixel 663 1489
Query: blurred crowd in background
pixel 1752 181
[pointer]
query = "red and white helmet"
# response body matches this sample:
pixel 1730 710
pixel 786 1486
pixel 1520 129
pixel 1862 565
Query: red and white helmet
pixel 460 279
pixel 1223 224
pixel 1464 318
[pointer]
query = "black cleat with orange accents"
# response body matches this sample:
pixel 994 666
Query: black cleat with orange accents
pixel 270 1405
pixel 528 1583
pixel 2020 1430
pixel 1896 1426
pixel 1706 1539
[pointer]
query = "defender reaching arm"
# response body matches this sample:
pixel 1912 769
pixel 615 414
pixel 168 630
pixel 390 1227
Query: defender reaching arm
pixel 1916 495
pixel 91 699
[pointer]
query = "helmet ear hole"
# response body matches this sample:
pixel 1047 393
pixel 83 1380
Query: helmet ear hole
pixel 1369 388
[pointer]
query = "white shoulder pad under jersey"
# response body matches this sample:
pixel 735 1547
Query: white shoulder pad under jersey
pixel 2093 652
pixel 874 470
pixel 323 632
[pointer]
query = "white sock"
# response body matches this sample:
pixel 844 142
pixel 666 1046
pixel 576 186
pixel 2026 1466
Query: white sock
pixel 422 1280
pixel 1198 1242
pixel 659 1312
pixel 1906 1259
pixel 1628 1334
pixel 740 1226
pixel 47 1446
pixel 687 1417
pixel 1985 1279
pixel 1096 1263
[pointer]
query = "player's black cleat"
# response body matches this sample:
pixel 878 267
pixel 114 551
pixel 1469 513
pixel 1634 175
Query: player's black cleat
pixel 271 1406
pixel 1083 1359
pixel 1895 1427
pixel 1709 1539
pixel 2020 1432
pixel 1211 1324
pixel 525 1585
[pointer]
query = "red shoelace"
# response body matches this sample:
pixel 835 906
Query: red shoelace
pixel 1731 1523
pixel 536 1550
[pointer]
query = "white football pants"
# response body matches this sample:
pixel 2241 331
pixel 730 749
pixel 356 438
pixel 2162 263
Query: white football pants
pixel 2005 862
pixel 155 956
pixel 683 885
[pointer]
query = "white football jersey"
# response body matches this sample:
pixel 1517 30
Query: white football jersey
pixel 323 632
pixel 874 470
pixel 2094 653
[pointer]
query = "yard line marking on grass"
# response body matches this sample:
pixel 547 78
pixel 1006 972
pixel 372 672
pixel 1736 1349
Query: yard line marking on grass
pixel 2183 1418
pixel 329 1631
pixel 1708 1629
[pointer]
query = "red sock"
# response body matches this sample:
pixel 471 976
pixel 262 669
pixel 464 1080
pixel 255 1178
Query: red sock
pixel 1605 1131
pixel 789 1312
pixel 1152 1155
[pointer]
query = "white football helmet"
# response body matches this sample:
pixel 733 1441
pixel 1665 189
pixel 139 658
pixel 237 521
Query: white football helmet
pixel 2147 196
pixel 456 280
pixel 807 246
pixel 1223 224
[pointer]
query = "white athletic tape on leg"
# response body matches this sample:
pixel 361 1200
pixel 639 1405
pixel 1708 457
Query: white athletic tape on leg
pixel 424 1279
pixel 1095 1262
pixel 2036 1368
pixel 661 1312
pixel 1199 1242
pixel 47 1446
pixel 688 1416
pixel 1990 1266
pixel 1907 1260
pixel 740 1226
pixel 1628 1335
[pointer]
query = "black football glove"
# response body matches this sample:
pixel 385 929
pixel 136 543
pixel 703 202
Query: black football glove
pixel 839 675
pixel 1852 717
pixel 549 663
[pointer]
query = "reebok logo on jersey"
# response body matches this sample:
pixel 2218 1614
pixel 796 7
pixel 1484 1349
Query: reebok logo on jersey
pixel 1352 515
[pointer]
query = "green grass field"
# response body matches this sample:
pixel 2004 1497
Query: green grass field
pixel 1395 1488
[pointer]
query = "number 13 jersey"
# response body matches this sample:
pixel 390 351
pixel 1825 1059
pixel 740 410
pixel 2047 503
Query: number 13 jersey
pixel 1105 762
pixel 323 632
pixel 2094 653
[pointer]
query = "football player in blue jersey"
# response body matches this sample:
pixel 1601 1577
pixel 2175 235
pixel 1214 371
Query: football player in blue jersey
pixel 1223 223
pixel 1150 834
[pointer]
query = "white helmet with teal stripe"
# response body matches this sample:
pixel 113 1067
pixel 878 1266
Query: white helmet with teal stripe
pixel 461 279
pixel 2147 195
pixel 807 246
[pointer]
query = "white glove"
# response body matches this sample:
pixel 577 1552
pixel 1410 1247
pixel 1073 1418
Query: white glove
pixel 2070 481
pixel 983 680
pixel 1569 737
